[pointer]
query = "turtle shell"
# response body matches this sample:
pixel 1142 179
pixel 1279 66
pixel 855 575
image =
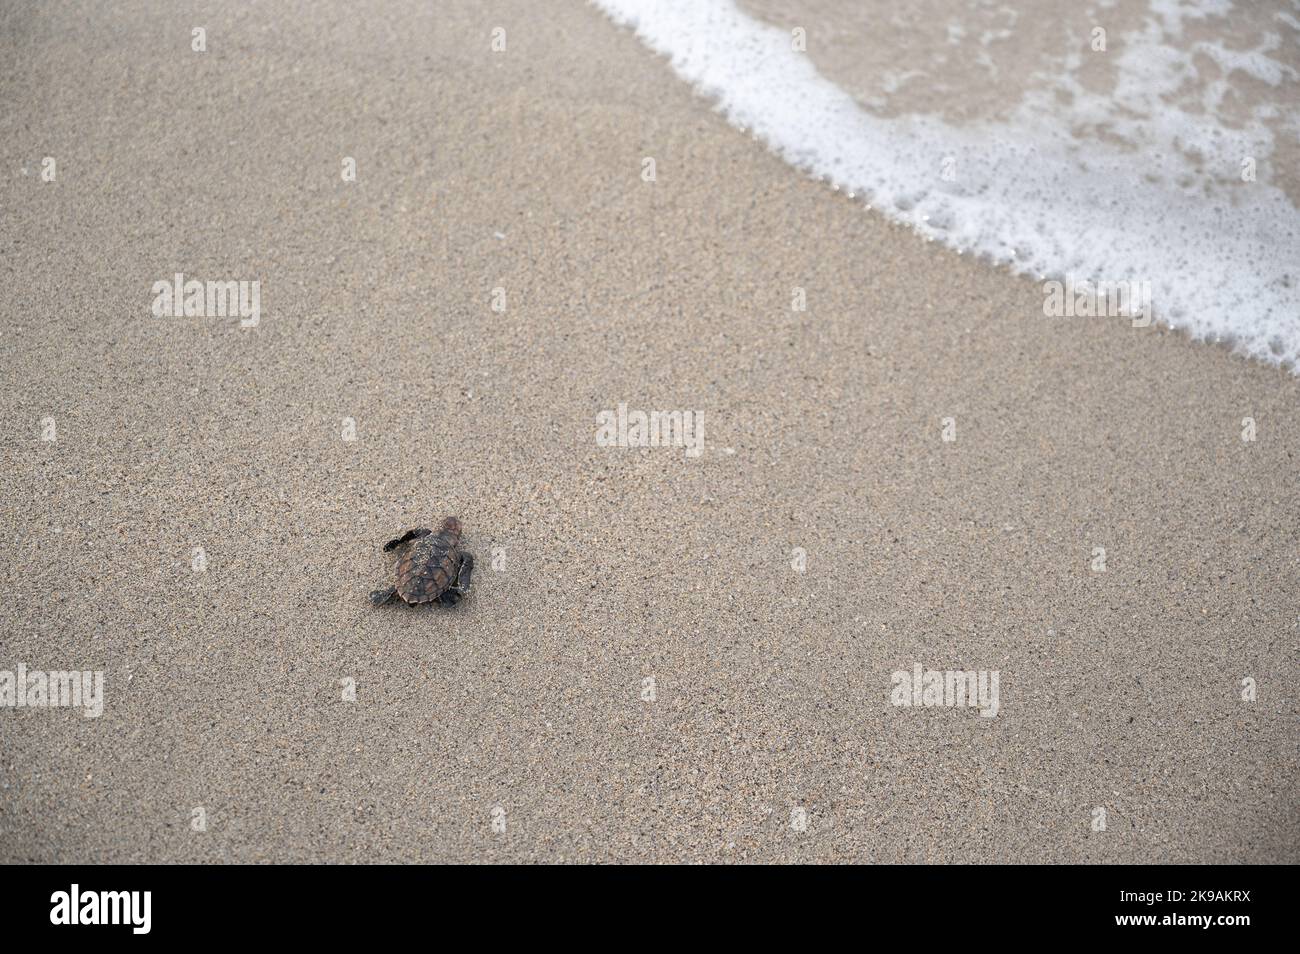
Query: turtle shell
pixel 428 565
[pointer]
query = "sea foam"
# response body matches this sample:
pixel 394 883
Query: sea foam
pixel 1157 198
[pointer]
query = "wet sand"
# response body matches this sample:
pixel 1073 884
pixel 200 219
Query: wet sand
pixel 598 566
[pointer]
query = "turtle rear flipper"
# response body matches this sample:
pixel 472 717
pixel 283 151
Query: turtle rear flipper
pixel 460 588
pixel 407 538
pixel 380 597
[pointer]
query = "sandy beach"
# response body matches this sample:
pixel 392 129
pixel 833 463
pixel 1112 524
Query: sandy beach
pixel 438 337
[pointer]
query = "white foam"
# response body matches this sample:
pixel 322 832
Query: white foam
pixel 1222 257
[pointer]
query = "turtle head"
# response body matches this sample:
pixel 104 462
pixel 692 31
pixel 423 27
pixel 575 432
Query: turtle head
pixel 450 525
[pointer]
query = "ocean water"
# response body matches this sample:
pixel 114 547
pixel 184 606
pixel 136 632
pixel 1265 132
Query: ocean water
pixel 1125 141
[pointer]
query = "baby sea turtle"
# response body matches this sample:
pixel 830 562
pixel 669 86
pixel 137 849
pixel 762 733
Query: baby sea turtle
pixel 430 566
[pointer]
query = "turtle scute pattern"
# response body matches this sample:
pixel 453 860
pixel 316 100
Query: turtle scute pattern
pixel 427 566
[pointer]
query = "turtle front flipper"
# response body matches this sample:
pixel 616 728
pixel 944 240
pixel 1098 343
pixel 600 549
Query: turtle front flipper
pixel 459 589
pixel 407 538
pixel 380 597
